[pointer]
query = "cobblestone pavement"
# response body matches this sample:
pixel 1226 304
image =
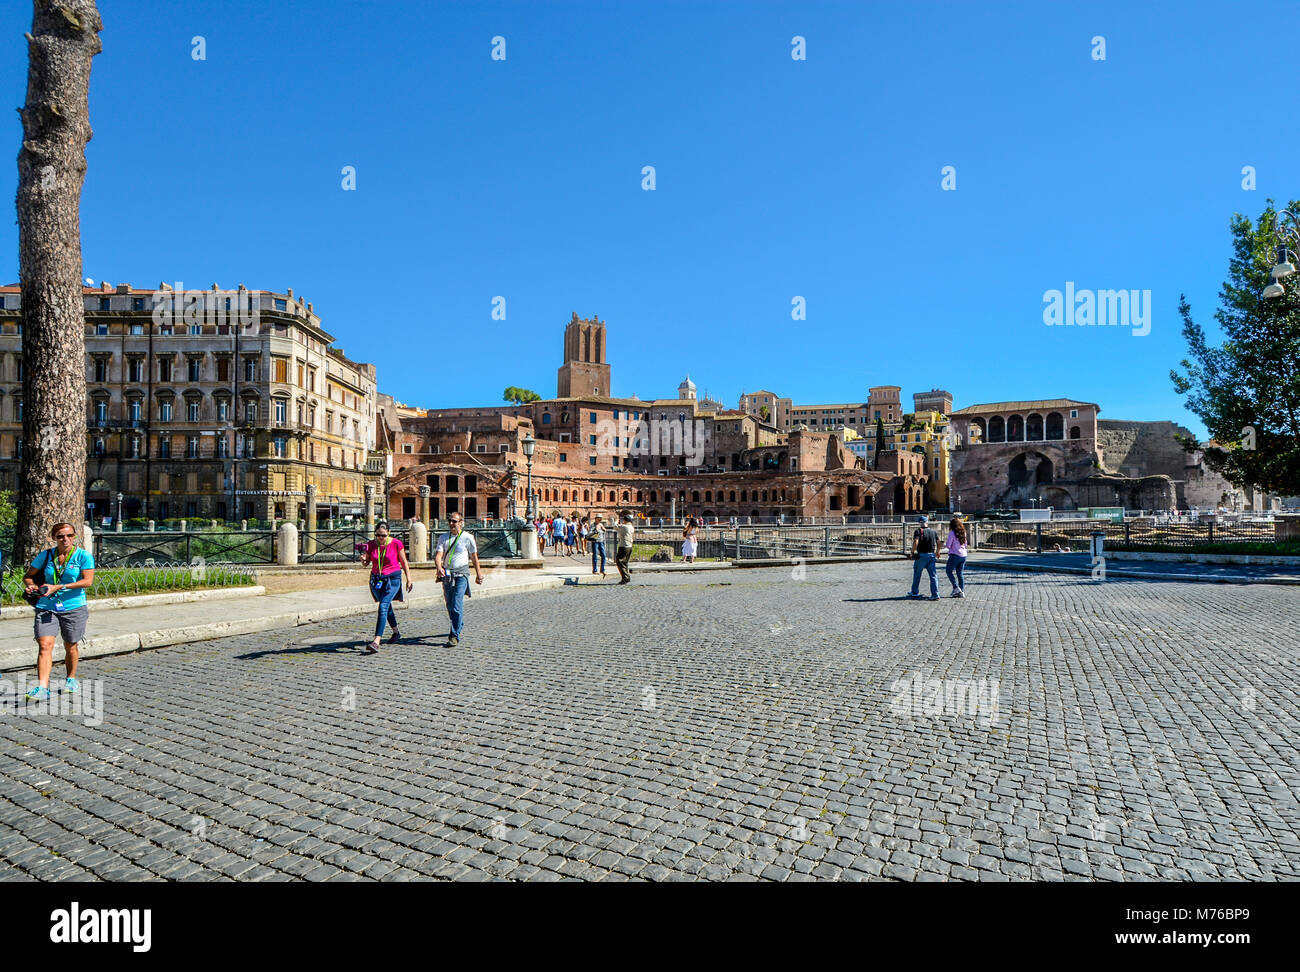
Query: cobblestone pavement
pixel 739 724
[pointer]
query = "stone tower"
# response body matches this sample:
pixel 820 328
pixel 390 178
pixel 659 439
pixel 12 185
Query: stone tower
pixel 584 371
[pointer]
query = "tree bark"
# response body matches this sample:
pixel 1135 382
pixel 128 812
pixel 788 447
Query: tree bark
pixel 51 170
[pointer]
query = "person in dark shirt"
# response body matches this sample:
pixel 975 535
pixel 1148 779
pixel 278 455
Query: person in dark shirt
pixel 925 546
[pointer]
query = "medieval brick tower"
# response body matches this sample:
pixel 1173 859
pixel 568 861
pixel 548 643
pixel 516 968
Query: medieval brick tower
pixel 584 371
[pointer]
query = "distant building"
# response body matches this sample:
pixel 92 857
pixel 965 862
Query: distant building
pixel 935 400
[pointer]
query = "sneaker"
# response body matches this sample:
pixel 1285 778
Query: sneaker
pixel 452 641
pixel 933 597
pixel 394 637
pixel 956 594
pixel 960 594
pixel 39 694
pixel 71 685
pixel 913 597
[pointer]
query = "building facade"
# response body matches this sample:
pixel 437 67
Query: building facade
pixel 659 457
pixel 207 404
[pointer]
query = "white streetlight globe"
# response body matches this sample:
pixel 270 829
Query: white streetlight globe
pixel 1274 289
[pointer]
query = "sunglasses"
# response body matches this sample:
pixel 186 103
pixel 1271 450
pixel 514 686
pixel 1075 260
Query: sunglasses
pixel 65 536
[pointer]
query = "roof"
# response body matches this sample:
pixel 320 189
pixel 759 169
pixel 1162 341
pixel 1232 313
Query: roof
pixel 1033 406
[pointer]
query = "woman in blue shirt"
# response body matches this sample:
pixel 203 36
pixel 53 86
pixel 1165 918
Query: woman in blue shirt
pixel 61 573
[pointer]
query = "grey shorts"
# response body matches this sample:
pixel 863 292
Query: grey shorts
pixel 70 624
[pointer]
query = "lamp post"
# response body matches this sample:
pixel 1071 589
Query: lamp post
pixel 514 488
pixel 1286 230
pixel 529 445
pixel 119 512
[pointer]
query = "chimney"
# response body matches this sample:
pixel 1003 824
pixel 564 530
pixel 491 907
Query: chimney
pixel 290 291
pixel 164 285
pixel 123 288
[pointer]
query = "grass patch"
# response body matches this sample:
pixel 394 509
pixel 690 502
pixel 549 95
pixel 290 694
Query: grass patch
pixel 126 581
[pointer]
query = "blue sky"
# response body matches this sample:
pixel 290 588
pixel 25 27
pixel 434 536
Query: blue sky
pixel 775 178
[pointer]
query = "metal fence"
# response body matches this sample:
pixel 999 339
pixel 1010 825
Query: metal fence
pixel 763 542
pixel 213 547
pixel 1136 533
pixel 338 546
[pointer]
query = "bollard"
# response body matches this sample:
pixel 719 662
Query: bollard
pixel 528 543
pixel 150 526
pixel 243 524
pixel 826 542
pixel 214 524
pixel 419 551
pixel 88 539
pixel 287 555
pixel 184 525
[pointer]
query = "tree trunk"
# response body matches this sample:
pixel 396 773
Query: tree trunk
pixel 51 170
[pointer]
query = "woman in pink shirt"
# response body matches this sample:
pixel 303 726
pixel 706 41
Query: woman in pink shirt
pixel 387 559
pixel 957 552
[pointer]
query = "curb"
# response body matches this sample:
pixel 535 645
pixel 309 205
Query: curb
pixel 1133 574
pixel 13 659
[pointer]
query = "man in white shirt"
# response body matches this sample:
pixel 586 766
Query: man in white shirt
pixel 623 549
pixel 455 553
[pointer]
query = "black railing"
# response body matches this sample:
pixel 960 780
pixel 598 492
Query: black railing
pixel 215 547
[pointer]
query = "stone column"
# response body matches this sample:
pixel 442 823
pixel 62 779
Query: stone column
pixel 424 507
pixel 309 536
pixel 287 552
pixel 370 509
pixel 419 552
pixel 528 542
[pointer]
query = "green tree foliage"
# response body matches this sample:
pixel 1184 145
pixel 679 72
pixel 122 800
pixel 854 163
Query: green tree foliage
pixel 1247 391
pixel 520 396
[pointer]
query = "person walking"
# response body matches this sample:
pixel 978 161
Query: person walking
pixel 386 556
pixel 955 547
pixel 557 533
pixel 584 529
pixel 540 525
pixel 623 549
pixel 571 535
pixel 688 540
pixel 453 558
pixel 60 575
pixel 925 546
pixel 596 540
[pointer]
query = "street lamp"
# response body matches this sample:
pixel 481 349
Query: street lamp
pixel 119 508
pixel 1286 230
pixel 529 445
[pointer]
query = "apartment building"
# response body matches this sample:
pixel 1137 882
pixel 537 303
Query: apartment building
pixel 221 404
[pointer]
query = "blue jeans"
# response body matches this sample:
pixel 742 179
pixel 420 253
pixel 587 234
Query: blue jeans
pixel 454 594
pixel 598 546
pixel 955 568
pixel 924 561
pixel 387 588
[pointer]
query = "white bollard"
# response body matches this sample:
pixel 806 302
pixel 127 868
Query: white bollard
pixel 88 538
pixel 419 552
pixel 528 544
pixel 152 526
pixel 287 555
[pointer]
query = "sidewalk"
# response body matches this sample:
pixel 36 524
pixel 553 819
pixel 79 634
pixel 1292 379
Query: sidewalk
pixel 1162 570
pixel 117 630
